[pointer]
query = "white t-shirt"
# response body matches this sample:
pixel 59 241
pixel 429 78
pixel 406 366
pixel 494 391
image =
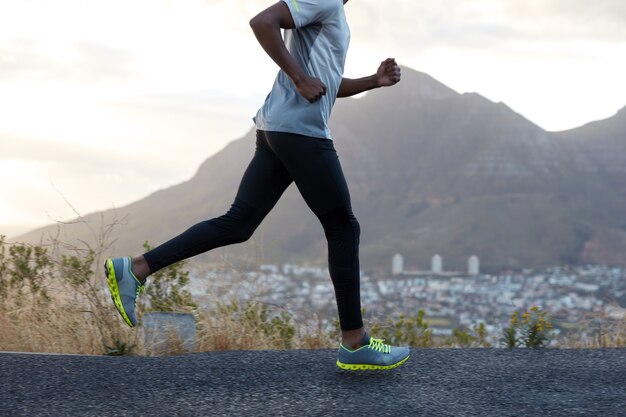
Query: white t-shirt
pixel 319 44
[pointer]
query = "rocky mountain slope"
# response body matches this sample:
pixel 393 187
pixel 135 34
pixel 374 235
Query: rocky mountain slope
pixel 430 171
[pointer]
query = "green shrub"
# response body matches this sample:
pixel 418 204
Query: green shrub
pixel 412 331
pixel 530 329
pixel 120 349
pixel 466 338
pixel 165 289
pixel 24 273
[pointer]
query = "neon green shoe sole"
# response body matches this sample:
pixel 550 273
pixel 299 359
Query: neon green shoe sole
pixel 113 281
pixel 365 367
pixel 372 355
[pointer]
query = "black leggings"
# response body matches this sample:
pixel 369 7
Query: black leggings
pixel 279 159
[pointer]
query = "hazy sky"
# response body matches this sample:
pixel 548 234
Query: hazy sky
pixel 106 102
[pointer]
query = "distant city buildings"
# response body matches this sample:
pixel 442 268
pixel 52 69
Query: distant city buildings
pixel 473 266
pixel 436 264
pixel 397 264
pixel 570 294
pixel 436 267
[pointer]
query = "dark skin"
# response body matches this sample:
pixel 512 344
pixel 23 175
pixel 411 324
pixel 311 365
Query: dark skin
pixel 266 27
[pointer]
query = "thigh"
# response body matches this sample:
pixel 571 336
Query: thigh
pixel 264 180
pixel 314 165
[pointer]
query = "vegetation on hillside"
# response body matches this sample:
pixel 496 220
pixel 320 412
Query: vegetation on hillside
pixel 54 300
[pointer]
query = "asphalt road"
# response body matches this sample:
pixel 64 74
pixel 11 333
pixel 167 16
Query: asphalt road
pixel 434 382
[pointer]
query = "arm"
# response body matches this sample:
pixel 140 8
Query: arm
pixel 266 27
pixel 351 87
pixel 388 74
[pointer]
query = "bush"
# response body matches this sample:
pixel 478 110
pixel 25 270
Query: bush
pixel 24 273
pixel 55 303
pixel 249 325
pixel 465 338
pixel 165 291
pixel 408 331
pixel 530 329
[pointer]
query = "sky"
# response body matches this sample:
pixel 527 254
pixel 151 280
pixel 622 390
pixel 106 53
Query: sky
pixel 103 103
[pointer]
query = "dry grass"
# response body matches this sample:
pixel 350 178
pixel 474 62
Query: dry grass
pixel 595 331
pixel 226 330
pixel 57 328
pixel 62 306
pixel 62 321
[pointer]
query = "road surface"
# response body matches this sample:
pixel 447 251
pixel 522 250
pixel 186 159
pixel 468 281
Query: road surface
pixel 434 382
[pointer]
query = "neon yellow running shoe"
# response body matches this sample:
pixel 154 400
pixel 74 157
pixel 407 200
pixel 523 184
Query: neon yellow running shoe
pixel 374 355
pixel 124 287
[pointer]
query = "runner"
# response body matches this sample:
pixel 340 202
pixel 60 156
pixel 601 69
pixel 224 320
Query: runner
pixel 293 143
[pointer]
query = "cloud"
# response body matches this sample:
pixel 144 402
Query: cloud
pixel 36 172
pixel 97 62
pixel 191 75
pixel 595 14
pixel 161 138
pixel 567 21
pixel 484 24
pixel 66 158
pixel 81 62
pixel 20 58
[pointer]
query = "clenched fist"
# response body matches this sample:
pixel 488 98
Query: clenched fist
pixel 311 88
pixel 388 73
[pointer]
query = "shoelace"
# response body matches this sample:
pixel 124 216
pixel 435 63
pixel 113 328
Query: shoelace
pixel 139 290
pixel 379 346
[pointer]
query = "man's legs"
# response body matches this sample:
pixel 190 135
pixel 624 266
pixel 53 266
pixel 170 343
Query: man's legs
pixel 263 182
pixel 314 166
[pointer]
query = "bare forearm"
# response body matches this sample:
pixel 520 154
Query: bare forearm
pixel 350 87
pixel 269 36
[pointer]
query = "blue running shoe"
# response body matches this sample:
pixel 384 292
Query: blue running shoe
pixel 124 287
pixel 374 355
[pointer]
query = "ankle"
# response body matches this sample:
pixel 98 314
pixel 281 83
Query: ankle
pixel 140 268
pixel 353 339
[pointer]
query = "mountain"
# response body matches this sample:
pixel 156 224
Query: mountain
pixel 598 153
pixel 430 171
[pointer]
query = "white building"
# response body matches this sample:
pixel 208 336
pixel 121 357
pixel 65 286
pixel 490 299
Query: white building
pixel 473 266
pixel 397 264
pixel 436 264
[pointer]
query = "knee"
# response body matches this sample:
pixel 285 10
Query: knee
pixel 241 235
pixel 341 223
pixel 239 223
pixel 232 232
